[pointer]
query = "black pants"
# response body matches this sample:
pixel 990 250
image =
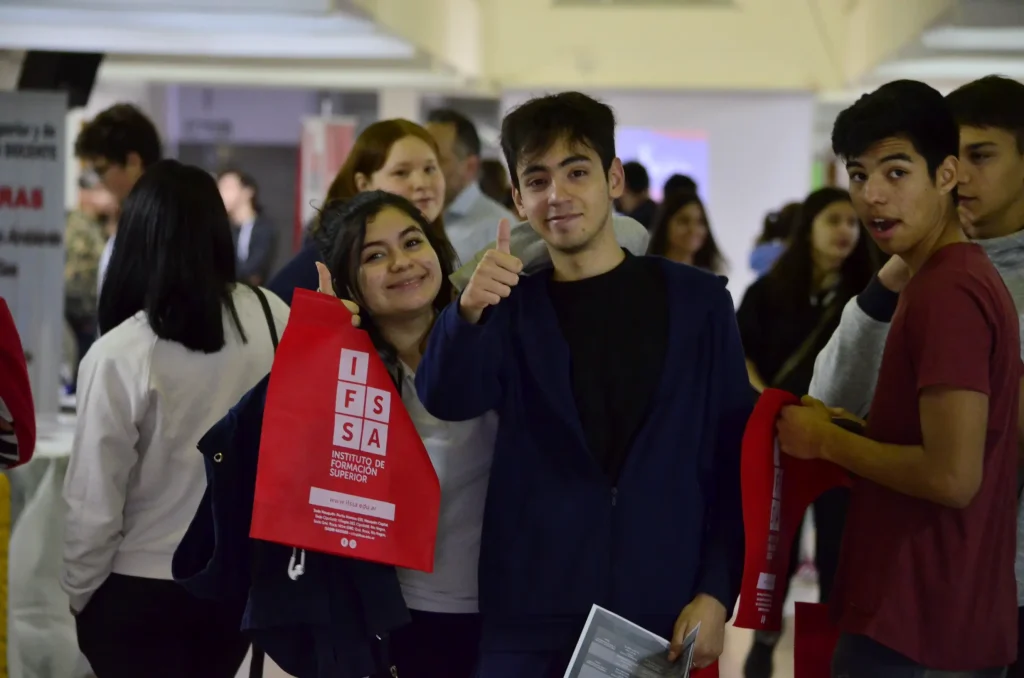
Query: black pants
pixel 436 645
pixel 134 627
pixel 861 657
pixel 1017 668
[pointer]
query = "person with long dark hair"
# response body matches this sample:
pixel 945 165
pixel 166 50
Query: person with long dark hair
pixel 383 255
pixel 180 343
pixel 681 232
pixel 785 319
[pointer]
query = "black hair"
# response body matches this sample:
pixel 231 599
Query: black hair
pixel 173 258
pixel 248 182
pixel 115 133
pixel 907 109
pixel 538 124
pixel 779 225
pixel 678 183
pixel 340 240
pixel 708 257
pixel 991 102
pixel 791 278
pixel 637 179
pixel 466 136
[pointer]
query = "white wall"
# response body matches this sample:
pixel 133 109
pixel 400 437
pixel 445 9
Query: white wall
pixel 760 148
pixel 271 117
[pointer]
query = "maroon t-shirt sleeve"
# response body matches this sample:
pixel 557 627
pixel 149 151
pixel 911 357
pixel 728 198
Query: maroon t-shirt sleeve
pixel 950 335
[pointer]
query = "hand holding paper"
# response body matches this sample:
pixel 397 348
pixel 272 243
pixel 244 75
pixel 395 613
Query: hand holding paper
pixel 494 277
pixel 327 287
pixel 710 615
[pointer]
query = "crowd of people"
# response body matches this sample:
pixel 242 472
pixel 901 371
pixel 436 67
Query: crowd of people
pixel 581 380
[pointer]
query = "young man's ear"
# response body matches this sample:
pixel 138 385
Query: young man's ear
pixel 948 175
pixel 616 179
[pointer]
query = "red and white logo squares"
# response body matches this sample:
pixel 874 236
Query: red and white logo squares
pixel 354 366
pixel 375 438
pixel 378 405
pixel 348 432
pixel 351 399
pixel 362 412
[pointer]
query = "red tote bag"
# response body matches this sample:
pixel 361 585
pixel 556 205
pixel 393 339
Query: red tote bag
pixel 341 469
pixel 814 641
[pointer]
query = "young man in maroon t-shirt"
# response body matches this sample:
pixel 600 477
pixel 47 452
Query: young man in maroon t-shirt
pixel 926 579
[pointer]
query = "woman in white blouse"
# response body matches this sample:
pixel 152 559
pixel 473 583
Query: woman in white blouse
pixel 181 343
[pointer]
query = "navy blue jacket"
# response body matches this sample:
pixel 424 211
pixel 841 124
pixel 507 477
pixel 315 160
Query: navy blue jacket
pixel 324 624
pixel 557 537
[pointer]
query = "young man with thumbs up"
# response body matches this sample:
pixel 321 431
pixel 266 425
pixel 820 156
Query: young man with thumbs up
pixel 622 396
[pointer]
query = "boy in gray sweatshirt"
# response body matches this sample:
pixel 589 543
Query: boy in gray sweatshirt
pixel 990 112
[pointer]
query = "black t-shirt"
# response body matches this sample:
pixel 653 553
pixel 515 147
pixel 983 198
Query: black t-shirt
pixel 772 333
pixel 616 325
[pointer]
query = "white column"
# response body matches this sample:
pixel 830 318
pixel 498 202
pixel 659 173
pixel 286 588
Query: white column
pixel 398 103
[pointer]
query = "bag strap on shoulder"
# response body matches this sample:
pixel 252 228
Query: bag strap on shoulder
pixel 258 657
pixel 271 325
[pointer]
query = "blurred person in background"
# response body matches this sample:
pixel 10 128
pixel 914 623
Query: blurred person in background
pixel 681 232
pixel 678 183
pixel 117 146
pixel 85 238
pixel 785 319
pixel 397 156
pixel 494 183
pixel 778 225
pixel 636 197
pixel 470 214
pixel 254 236
pixel 180 343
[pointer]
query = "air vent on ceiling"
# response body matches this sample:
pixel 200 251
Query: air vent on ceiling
pixel 681 4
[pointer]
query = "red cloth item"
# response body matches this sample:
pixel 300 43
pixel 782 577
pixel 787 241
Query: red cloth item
pixel 814 642
pixel 15 396
pixel 776 491
pixel 709 672
pixel 341 469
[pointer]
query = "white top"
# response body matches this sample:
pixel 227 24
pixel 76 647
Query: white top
pixel 461 453
pixel 101 272
pixel 135 477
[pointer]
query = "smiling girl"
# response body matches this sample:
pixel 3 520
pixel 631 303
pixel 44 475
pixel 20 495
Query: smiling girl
pixel 385 256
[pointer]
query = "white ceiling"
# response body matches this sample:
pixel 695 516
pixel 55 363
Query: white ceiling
pixel 179 32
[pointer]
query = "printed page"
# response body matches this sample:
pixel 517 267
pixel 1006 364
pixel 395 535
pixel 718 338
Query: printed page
pixel 613 647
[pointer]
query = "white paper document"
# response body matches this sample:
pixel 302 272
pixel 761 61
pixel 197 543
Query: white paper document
pixel 613 647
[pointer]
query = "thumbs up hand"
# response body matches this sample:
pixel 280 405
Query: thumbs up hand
pixel 327 287
pixel 494 277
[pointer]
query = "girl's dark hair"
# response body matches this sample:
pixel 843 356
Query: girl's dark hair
pixel 792 276
pixel 340 239
pixel 708 256
pixel 173 258
pixel 779 225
